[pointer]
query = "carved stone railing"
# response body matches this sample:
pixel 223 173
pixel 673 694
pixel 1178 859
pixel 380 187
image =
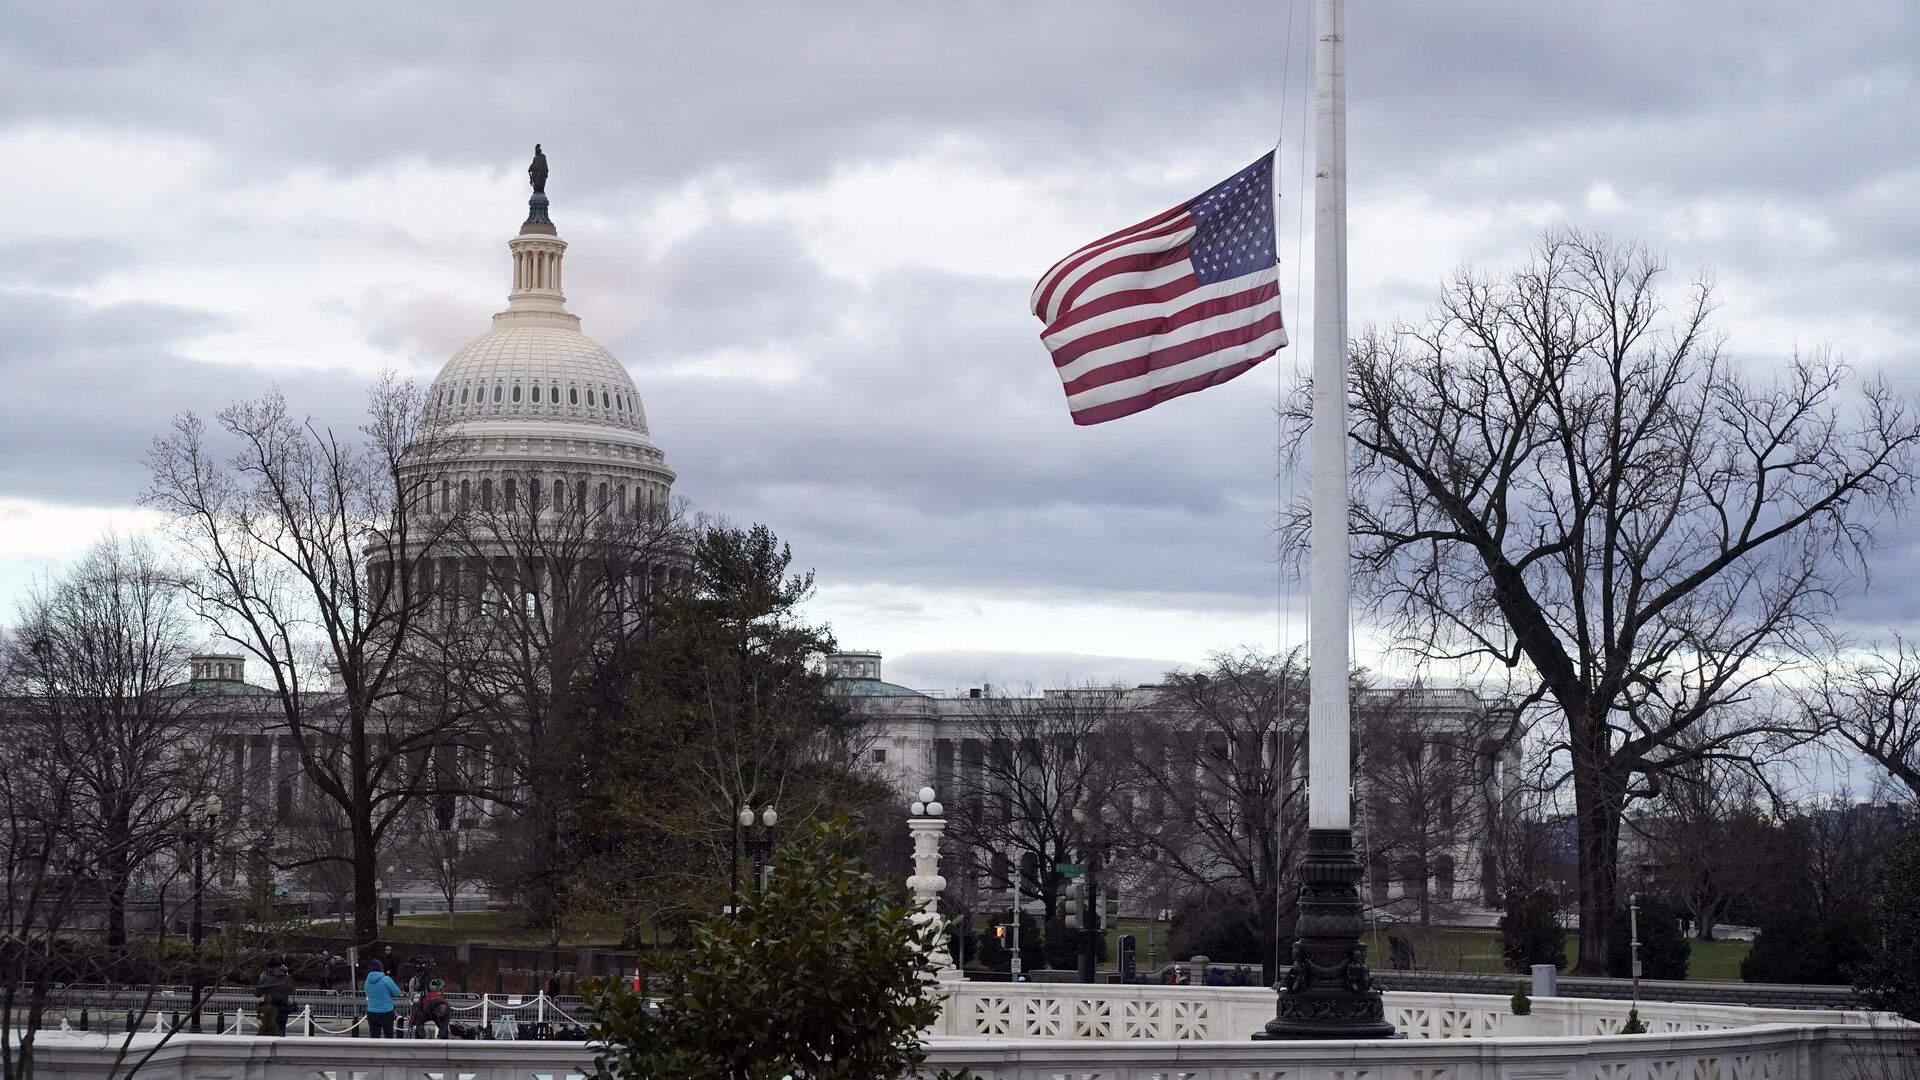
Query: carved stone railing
pixel 1194 1014
pixel 1768 1052
pixel 1063 1031
pixel 1765 1052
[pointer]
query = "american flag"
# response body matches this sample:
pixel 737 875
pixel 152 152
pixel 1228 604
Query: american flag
pixel 1182 301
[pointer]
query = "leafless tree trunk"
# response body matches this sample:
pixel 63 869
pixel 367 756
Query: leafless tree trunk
pixel 1707 834
pixel 100 654
pixel 1423 761
pixel 310 548
pixel 1215 789
pixel 1045 757
pixel 543 594
pixel 1559 473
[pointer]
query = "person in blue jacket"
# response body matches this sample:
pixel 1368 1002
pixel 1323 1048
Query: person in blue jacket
pixel 381 991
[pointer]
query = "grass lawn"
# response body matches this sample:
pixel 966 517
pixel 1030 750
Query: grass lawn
pixel 492 928
pixel 1479 951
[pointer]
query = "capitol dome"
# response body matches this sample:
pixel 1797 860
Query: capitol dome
pixel 534 400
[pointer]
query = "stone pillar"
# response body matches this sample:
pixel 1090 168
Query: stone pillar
pixel 926 826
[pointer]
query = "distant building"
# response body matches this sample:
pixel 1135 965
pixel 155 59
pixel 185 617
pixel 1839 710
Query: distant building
pixel 930 738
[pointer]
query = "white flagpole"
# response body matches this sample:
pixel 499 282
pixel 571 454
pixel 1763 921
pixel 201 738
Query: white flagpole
pixel 1328 993
pixel 1329 723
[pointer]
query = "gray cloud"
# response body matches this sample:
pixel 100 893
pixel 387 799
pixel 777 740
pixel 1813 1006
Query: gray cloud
pixel 958 670
pixel 914 433
pixel 87 389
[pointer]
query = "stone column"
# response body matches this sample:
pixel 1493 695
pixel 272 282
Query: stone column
pixel 926 826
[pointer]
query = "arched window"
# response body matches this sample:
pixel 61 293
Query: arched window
pixel 507 493
pixel 496 393
pixel 555 395
pixel 559 494
pixel 602 504
pixel 463 395
pixel 580 497
pixel 573 395
pixel 516 393
pixel 620 402
pixel 589 398
pixel 464 491
pixel 622 507
pixel 486 494
pixel 443 490
pixel 536 393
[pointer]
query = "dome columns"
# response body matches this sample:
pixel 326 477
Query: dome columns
pixel 536 274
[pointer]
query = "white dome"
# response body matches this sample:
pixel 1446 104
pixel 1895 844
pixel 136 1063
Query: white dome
pixel 534 394
pixel 540 372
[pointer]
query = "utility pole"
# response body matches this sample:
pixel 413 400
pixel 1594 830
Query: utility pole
pixel 1328 993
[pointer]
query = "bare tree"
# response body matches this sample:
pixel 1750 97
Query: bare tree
pixel 550 587
pixel 446 857
pixel 1043 758
pixel 1424 771
pixel 1559 472
pixel 1215 788
pixel 38 797
pixel 101 759
pixel 1706 838
pixel 99 665
pixel 1873 705
pixel 311 549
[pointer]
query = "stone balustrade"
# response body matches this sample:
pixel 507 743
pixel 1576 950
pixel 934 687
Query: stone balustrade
pixel 1190 1014
pixel 1077 1032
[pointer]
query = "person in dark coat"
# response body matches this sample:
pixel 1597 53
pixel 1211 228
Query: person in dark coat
pixel 276 998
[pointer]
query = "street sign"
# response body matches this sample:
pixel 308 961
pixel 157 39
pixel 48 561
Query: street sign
pixel 1016 965
pixel 1067 869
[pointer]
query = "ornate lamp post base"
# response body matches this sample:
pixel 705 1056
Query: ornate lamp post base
pixel 1328 993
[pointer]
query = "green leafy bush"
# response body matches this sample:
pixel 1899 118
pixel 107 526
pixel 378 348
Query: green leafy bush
pixel 1522 1004
pixel 823 977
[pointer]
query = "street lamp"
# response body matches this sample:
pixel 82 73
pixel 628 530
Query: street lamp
pixel 1633 924
pixel 1092 919
pixel 201 818
pixel 759 842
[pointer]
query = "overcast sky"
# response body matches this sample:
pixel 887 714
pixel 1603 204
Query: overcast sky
pixel 809 231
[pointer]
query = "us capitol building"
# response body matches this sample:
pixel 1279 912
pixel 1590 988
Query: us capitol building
pixel 545 418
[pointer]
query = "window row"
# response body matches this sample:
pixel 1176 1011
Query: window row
pixel 606 496
pixel 609 400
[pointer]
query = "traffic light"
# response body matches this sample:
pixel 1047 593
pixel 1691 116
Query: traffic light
pixel 1110 911
pixel 1074 907
pixel 1000 932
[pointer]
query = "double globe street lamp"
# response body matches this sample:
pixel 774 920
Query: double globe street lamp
pixel 757 833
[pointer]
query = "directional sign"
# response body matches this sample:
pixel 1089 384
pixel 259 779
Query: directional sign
pixel 1067 869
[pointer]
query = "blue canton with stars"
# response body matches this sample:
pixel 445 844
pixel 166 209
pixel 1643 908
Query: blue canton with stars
pixel 1233 224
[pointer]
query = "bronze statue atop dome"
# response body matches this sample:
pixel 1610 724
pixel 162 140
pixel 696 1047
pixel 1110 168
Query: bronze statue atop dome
pixel 537 172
